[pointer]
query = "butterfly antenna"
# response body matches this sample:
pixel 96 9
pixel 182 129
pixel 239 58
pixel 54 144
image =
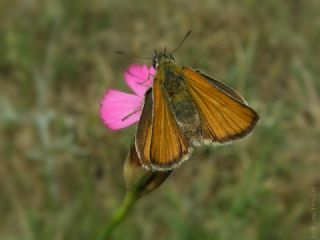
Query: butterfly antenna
pixel 131 55
pixel 180 44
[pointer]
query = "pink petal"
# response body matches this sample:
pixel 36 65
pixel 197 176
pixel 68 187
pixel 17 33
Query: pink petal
pixel 139 78
pixel 119 110
pixel 152 71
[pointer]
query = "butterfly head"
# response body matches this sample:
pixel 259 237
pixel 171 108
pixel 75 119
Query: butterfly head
pixel 162 57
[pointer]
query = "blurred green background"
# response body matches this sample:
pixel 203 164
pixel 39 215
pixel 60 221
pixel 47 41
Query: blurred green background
pixel 61 169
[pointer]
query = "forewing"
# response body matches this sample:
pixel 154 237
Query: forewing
pixel 223 113
pixel 169 147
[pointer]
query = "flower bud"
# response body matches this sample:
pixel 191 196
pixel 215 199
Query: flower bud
pixel 137 177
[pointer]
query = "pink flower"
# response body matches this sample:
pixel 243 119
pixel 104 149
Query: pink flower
pixel 119 109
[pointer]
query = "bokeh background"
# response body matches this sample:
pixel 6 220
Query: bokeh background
pixel 61 169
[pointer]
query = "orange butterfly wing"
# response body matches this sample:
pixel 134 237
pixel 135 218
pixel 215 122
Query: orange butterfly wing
pixel 223 113
pixel 169 147
pixel 144 131
pixel 159 141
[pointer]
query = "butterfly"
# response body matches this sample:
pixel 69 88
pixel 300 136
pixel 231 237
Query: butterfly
pixel 184 108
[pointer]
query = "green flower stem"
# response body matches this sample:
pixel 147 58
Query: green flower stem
pixel 119 215
pixel 132 195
